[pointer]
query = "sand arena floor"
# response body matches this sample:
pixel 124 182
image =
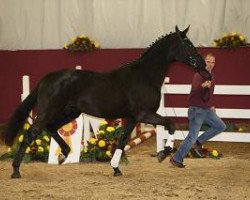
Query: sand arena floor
pixel 143 178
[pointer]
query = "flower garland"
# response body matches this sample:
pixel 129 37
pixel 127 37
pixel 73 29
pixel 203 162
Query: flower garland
pixel 82 43
pixel 232 40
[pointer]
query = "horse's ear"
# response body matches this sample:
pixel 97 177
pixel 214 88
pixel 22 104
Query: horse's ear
pixel 184 33
pixel 177 29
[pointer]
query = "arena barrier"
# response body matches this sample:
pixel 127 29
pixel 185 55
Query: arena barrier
pixel 175 89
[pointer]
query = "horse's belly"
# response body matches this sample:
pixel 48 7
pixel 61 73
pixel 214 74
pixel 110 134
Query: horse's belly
pixel 108 109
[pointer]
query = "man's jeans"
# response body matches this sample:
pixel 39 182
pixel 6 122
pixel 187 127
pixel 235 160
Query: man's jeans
pixel 196 118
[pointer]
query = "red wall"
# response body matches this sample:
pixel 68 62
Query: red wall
pixel 232 67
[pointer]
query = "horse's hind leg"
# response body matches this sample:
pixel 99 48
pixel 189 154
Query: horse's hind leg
pixel 65 149
pixel 67 116
pixel 123 140
pixel 29 136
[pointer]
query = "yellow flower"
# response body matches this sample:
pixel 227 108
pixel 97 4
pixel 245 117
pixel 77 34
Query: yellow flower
pixel 215 153
pixel 20 139
pixel 101 132
pixel 46 138
pixel 110 129
pixel 65 46
pixel 83 36
pixel 92 140
pixel 40 149
pixel 27 150
pixel 38 142
pixel 102 123
pixel 26 126
pixel 97 45
pixel 241 38
pixel 48 147
pixel 101 143
pixel 214 44
pixel 234 33
pixel 85 149
pixel 108 153
pixel 73 39
pixel 9 150
pixel 224 35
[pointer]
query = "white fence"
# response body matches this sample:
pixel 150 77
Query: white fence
pixel 172 89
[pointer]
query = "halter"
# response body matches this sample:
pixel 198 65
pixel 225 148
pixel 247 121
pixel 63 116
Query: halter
pixel 192 60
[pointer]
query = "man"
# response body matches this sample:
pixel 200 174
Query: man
pixel 200 110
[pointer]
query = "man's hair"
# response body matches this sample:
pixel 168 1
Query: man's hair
pixel 208 54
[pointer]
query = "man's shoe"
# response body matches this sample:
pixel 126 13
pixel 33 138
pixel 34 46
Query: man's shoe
pixel 164 153
pixel 176 164
pixel 197 153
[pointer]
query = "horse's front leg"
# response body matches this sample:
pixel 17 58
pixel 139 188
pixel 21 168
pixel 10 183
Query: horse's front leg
pixel 156 119
pixel 123 140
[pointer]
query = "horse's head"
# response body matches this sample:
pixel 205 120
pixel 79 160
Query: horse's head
pixel 186 52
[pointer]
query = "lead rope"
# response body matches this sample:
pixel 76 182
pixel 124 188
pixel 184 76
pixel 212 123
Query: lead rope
pixel 175 114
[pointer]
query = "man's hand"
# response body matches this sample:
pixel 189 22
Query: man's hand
pixel 206 84
pixel 213 109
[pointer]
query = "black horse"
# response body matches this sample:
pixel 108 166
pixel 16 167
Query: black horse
pixel 132 92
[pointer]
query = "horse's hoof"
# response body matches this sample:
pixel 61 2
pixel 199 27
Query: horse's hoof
pixel 16 175
pixel 117 171
pixel 163 154
pixel 61 158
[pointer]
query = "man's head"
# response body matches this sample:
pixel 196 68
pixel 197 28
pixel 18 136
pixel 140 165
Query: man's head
pixel 210 61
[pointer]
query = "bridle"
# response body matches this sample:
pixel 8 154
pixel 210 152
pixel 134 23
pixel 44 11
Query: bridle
pixel 192 60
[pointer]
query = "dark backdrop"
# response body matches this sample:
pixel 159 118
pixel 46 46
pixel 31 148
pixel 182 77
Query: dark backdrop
pixel 232 67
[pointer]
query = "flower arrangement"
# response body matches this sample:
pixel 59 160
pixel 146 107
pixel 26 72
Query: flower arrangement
pixel 232 40
pixel 37 151
pixel 82 43
pixel 103 146
pixel 98 149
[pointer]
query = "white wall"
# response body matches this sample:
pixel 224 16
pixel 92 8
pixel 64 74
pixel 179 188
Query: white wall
pixel 48 24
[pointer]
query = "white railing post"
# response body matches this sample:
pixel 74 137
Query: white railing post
pixel 26 92
pixel 163 138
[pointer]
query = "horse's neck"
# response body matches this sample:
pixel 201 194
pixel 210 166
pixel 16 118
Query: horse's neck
pixel 155 72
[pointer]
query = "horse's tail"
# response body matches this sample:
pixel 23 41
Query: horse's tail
pixel 18 118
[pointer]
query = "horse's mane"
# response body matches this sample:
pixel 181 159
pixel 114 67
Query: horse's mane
pixel 153 46
pixel 148 51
